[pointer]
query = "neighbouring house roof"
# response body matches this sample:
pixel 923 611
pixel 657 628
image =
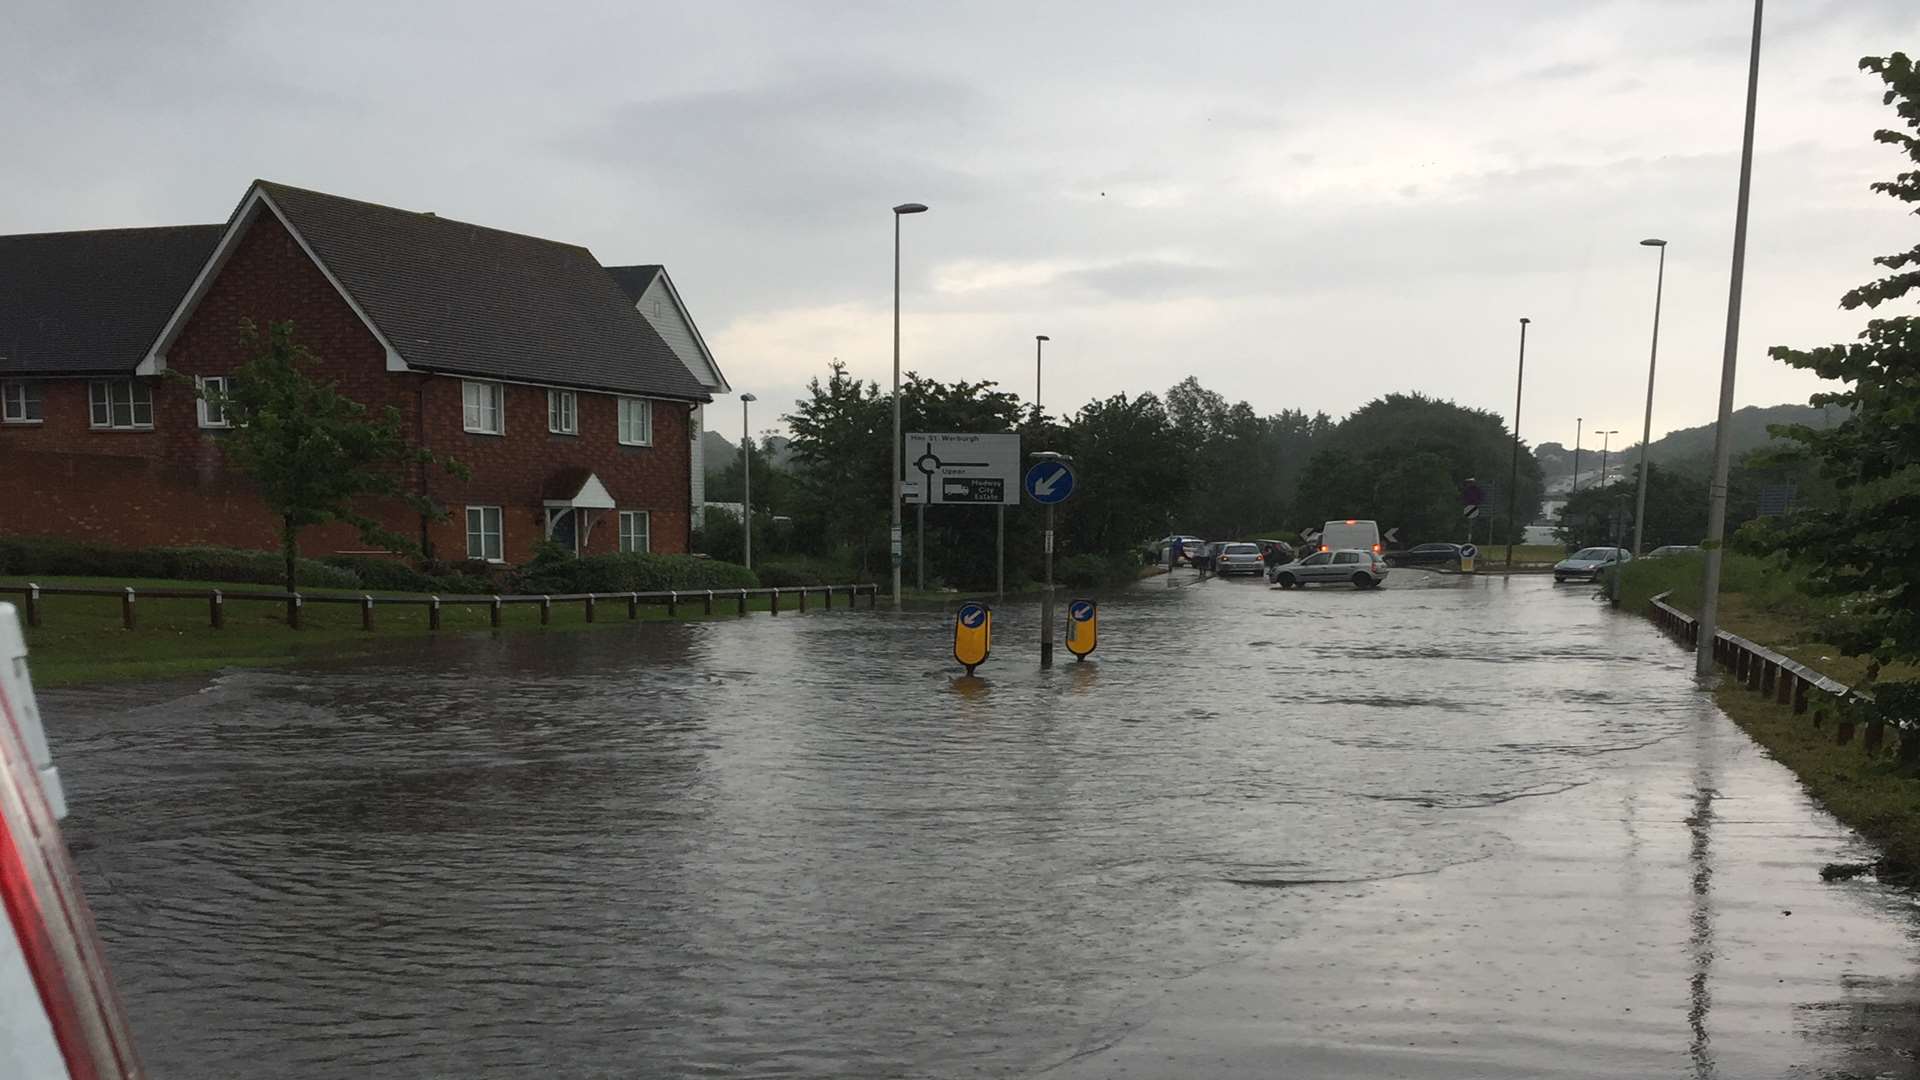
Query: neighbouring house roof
pixel 451 297
pixel 636 280
pixel 91 303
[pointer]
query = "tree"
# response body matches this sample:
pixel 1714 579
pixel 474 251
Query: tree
pixel 1676 511
pixel 313 453
pixel 1864 548
pixel 1402 458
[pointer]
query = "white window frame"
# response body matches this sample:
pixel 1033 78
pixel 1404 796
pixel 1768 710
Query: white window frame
pixel 498 533
pixel 20 392
pixel 643 407
pixel 563 412
pixel 211 415
pixel 100 396
pixel 474 409
pixel 628 533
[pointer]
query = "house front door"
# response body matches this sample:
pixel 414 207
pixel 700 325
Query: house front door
pixel 563 528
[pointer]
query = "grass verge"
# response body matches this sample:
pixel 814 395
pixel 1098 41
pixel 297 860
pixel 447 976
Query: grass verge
pixel 1871 794
pixel 81 639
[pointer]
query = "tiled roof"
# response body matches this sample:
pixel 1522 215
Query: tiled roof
pixel 633 280
pixel 91 303
pixel 459 298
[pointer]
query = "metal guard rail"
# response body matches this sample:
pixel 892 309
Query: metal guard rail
pixel 216 599
pixel 1757 667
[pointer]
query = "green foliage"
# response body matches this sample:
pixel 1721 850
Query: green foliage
pixel 1864 548
pixel 1091 571
pixel 392 575
pixel 312 452
pixel 772 485
pixel 793 571
pixel 29 556
pixel 1134 475
pixel 1676 511
pixel 555 570
pixel 1402 460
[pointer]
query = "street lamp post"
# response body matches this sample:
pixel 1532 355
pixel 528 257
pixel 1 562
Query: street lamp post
pixel 1577 421
pixel 746 478
pixel 1646 431
pixel 1038 341
pixel 1722 437
pixel 897 455
pixel 1606 439
pixel 1513 474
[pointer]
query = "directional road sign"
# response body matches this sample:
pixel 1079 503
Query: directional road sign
pixel 1392 535
pixel 1083 627
pixel 1468 551
pixel 972 634
pixel 954 467
pixel 1049 482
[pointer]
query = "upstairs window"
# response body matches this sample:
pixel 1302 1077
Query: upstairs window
pixel 213 414
pixel 120 404
pixel 562 412
pixel 20 403
pixel 485 407
pixel 636 422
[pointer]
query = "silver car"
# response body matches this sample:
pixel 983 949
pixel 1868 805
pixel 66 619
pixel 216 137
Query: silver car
pixel 1361 569
pixel 1238 559
pixel 1589 563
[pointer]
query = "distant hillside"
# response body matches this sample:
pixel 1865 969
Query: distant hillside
pixel 1687 449
pixel 720 451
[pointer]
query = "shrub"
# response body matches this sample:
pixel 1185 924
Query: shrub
pixel 627 572
pixel 795 571
pixel 1087 571
pixel 391 575
pixel 52 556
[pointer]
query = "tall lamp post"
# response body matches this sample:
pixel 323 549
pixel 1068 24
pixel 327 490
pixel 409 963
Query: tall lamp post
pixel 1038 341
pixel 897 454
pixel 1513 474
pixel 1577 421
pixel 1646 430
pixel 746 478
pixel 1606 439
pixel 1722 437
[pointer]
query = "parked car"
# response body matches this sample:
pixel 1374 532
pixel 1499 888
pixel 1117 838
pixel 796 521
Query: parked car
pixel 1669 550
pixel 1589 563
pixel 1362 569
pixel 1351 533
pixel 1239 558
pixel 1425 555
pixel 1275 552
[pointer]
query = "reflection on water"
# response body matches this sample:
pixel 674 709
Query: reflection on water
pixel 807 847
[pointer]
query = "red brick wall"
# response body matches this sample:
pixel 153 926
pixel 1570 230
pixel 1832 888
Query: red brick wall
pixel 171 485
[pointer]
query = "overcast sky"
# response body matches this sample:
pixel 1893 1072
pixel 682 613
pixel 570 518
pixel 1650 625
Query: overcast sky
pixel 1304 204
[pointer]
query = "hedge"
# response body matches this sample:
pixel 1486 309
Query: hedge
pixel 1089 571
pixel 22 556
pixel 794 571
pixel 630 571
pixel 392 575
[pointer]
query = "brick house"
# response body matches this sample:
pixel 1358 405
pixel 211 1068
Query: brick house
pixel 652 291
pixel 518 356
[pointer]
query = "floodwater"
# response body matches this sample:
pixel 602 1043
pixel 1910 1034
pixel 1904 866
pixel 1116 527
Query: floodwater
pixel 1449 828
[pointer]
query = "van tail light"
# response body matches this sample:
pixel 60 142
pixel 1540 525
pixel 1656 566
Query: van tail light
pixel 1324 547
pixel 1376 549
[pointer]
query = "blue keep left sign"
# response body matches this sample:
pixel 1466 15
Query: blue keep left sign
pixel 1049 482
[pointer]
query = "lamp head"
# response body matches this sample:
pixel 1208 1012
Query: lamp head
pixel 748 397
pixel 910 208
pixel 1653 242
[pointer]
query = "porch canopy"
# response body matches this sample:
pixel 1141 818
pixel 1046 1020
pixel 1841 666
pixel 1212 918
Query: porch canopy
pixel 567 491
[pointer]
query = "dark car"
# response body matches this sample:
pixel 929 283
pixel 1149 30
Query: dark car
pixel 1426 555
pixel 1275 552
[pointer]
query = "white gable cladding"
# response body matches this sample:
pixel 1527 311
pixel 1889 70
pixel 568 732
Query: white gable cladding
pixel 661 306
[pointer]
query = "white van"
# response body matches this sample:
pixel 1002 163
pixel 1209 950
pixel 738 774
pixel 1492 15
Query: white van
pixel 1340 535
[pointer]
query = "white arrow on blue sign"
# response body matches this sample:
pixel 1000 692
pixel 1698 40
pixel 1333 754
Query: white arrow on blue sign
pixel 972 614
pixel 1049 482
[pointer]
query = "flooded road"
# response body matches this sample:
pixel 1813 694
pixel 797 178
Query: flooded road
pixel 1449 828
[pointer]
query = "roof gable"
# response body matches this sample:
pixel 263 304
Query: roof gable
pixel 644 283
pixel 448 296
pixel 90 303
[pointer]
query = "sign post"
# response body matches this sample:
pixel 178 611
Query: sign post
pixel 1083 627
pixel 972 634
pixel 949 468
pixel 1049 481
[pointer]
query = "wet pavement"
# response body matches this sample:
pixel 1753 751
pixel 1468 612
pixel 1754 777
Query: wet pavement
pixel 1450 828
